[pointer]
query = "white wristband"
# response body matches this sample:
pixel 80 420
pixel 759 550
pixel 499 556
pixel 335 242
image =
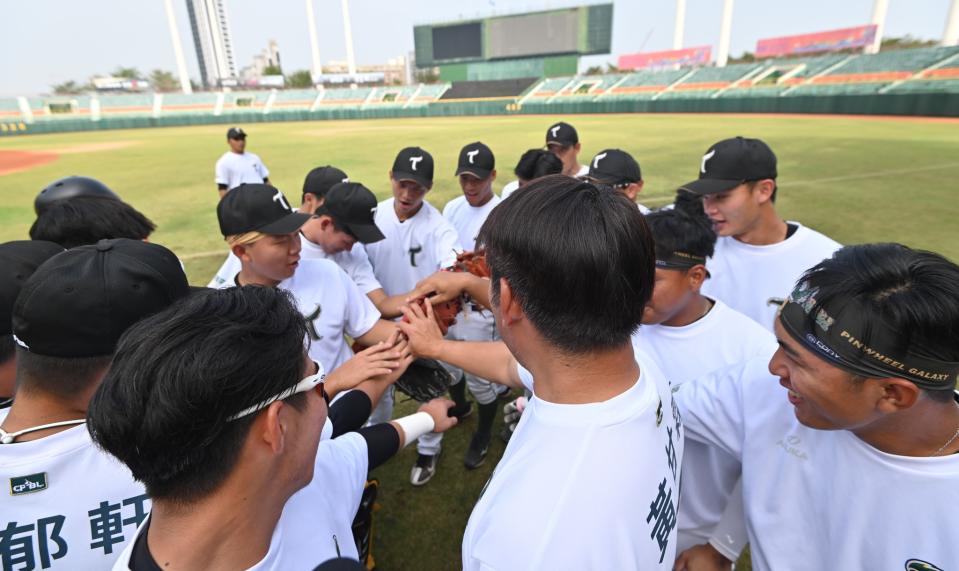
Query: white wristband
pixel 414 426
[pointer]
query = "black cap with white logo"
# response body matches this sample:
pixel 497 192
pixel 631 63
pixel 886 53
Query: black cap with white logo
pixel 415 164
pixel 79 302
pixel 562 134
pixel 19 259
pixel 615 167
pixel 257 208
pixel 321 179
pixel 731 162
pixel 235 133
pixel 476 159
pixel 353 207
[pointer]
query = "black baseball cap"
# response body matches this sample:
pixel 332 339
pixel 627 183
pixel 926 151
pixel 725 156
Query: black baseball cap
pixel 321 179
pixel 562 134
pixel 731 162
pixel 19 259
pixel 615 167
pixel 415 164
pixel 476 159
pixel 257 208
pixel 235 133
pixel 79 302
pixel 353 207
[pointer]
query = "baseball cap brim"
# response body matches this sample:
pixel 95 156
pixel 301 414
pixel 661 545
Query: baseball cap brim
pixel 286 225
pixel 365 233
pixel 481 174
pixel 710 185
pixel 419 179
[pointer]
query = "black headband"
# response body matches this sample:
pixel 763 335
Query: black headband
pixel 679 261
pixel 844 334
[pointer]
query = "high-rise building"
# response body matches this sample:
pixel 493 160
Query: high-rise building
pixel 211 36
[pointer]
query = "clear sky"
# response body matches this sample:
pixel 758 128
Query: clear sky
pixel 44 42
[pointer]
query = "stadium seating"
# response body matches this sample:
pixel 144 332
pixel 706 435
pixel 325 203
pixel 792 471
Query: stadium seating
pixel 135 104
pixel 9 109
pixel 587 86
pixel 645 84
pixel 182 103
pixel 714 78
pixel 295 98
pixel 345 96
pixel 550 86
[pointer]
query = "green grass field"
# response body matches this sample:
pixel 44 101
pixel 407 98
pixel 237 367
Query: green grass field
pixel 855 179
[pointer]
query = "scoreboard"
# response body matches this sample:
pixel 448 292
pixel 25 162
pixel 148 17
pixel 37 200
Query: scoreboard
pixel 581 30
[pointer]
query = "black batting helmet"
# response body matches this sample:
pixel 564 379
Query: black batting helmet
pixel 71 187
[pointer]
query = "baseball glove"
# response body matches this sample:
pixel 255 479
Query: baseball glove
pixel 444 313
pixel 424 380
pixel 473 263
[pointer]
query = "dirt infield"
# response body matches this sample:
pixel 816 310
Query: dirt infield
pixel 19 161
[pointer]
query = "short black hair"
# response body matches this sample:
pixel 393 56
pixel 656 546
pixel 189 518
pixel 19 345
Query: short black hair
pixel 83 220
pixel 913 291
pixel 8 348
pixel 178 376
pixel 578 258
pixel 536 163
pixel 675 231
pixel 63 377
pixel 691 203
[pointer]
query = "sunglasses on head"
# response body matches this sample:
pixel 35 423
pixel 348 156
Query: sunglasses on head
pixel 314 381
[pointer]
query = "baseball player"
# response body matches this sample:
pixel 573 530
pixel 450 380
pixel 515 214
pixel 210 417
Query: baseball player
pixel 690 335
pixel 555 501
pixel 533 164
pixel 618 169
pixel 224 425
pixel 475 171
pixel 563 141
pixel 759 256
pixel 263 232
pixel 85 220
pixel 67 504
pixel 419 242
pixel 851 426
pixel 19 260
pixel 237 166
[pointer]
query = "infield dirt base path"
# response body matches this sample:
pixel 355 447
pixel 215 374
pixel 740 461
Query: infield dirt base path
pixel 18 161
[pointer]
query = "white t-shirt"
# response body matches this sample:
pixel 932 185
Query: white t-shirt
pixel 585 487
pixel 332 306
pixel 413 249
pixel 822 499
pixel 66 504
pixel 316 523
pixel 721 338
pixel 474 323
pixel 234 169
pixel 354 262
pixel 755 279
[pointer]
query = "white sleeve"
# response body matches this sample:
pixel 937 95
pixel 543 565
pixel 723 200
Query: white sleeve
pixel 729 536
pixel 361 314
pixel 341 466
pixel 222 172
pixel 361 270
pixel 224 276
pixel 712 407
pixel 447 245
pixel 264 172
pixel 525 377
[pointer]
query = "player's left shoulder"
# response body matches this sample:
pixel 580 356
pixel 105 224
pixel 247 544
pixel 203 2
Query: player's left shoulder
pixel 453 207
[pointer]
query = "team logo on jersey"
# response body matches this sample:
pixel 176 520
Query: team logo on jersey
pixel 920 565
pixel 311 323
pixel 554 130
pixel 598 158
pixel 278 197
pixel 472 154
pixel 415 161
pixel 706 158
pixel 20 485
pixel 413 251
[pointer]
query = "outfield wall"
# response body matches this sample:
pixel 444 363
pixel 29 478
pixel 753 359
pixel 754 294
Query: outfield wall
pixel 902 104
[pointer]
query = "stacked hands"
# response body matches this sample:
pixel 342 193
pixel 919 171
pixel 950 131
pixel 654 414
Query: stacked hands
pixel 407 359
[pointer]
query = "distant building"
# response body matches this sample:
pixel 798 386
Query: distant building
pixel 394 72
pixel 269 57
pixel 211 37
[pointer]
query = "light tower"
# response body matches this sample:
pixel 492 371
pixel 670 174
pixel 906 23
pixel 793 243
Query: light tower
pixel 879 9
pixel 348 33
pixel 681 24
pixel 950 36
pixel 317 69
pixel 725 34
pixel 177 48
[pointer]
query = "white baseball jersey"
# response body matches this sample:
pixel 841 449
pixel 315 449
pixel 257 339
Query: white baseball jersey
pixel 822 499
pixel 234 169
pixel 66 504
pixel 413 249
pixel 332 306
pixel 721 338
pixel 354 262
pixel 586 487
pixel 755 279
pixel 316 523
